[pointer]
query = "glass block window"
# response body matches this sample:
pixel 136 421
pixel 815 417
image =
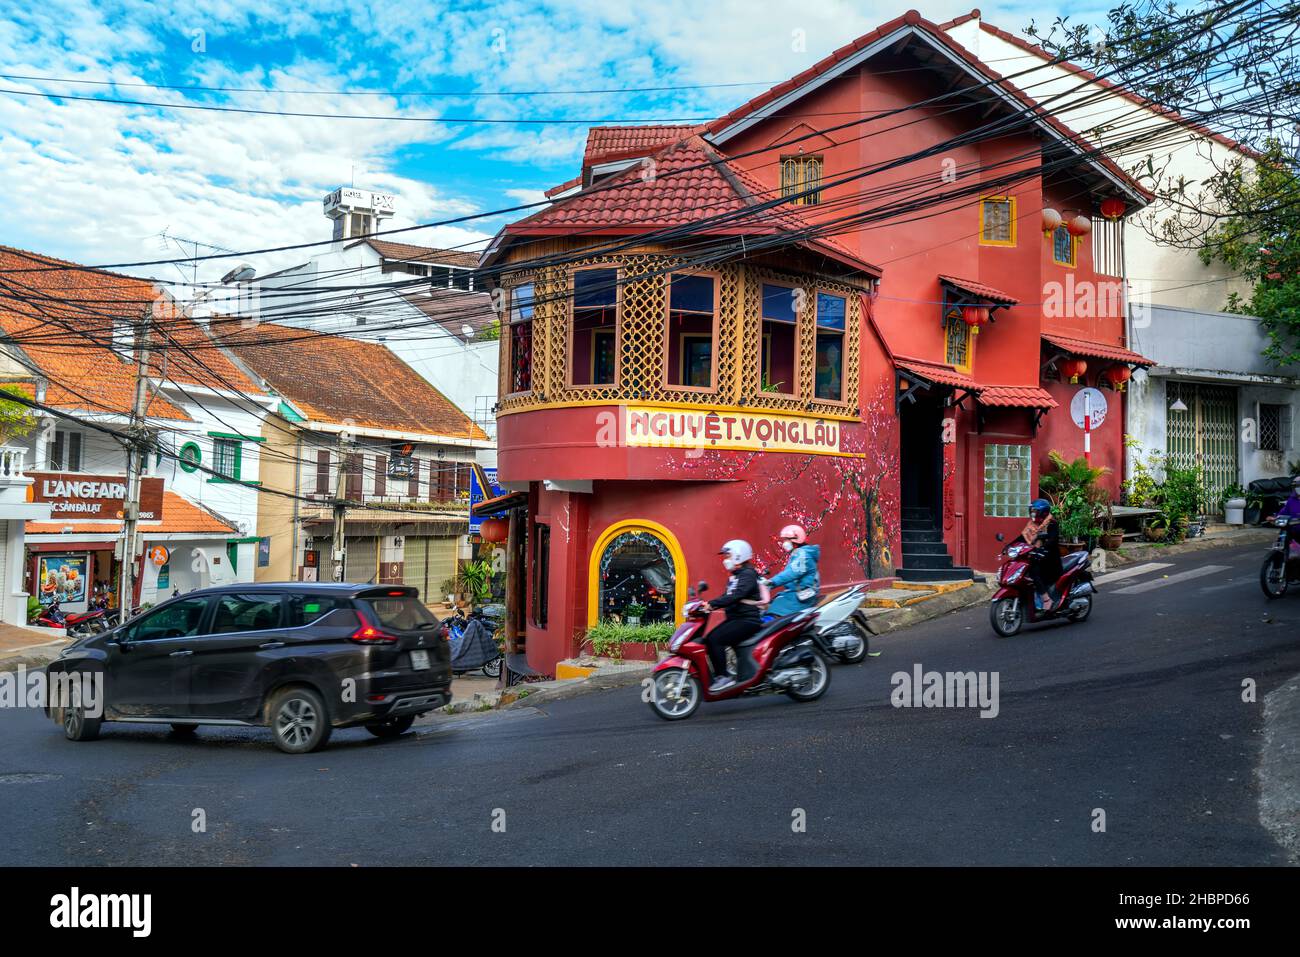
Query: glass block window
pixel 1008 475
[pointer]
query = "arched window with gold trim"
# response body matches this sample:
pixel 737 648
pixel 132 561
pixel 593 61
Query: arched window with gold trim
pixel 637 575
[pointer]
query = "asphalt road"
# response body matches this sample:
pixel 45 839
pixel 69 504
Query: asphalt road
pixel 1137 712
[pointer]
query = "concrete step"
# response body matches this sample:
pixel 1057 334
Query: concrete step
pixel 943 560
pixel 921 535
pixel 940 587
pixel 928 575
pixel 897 597
pixel 922 548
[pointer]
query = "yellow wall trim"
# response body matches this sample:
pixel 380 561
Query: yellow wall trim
pixel 680 577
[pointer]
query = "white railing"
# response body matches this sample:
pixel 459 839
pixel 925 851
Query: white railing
pixel 12 463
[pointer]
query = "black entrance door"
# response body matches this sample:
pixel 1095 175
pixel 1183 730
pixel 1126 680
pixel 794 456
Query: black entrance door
pixel 921 456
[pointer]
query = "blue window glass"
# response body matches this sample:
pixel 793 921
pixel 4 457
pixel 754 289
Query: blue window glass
pixel 521 300
pixel 830 311
pixel 691 294
pixel 778 303
pixel 1063 246
pixel 593 288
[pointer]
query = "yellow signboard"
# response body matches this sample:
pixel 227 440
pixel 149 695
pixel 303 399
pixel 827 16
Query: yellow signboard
pixel 676 428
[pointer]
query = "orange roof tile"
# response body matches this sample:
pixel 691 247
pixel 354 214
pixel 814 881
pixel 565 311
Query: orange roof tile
pixel 936 372
pixel 1016 397
pixel 980 290
pixel 1097 350
pixel 179 516
pixel 62 319
pixel 611 143
pixel 339 380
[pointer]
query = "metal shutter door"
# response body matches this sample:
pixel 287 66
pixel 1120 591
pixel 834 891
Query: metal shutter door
pixel 362 560
pixel 415 559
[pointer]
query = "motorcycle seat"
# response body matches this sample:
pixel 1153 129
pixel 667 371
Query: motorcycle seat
pixel 1073 560
pixel 766 630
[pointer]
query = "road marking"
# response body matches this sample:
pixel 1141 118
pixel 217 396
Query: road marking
pixel 1171 580
pixel 1130 572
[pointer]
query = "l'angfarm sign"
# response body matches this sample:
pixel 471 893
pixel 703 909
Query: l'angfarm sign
pixel 93 496
pixel 654 427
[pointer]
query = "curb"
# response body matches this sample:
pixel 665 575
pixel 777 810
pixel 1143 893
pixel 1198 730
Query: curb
pixel 527 696
pixel 1126 555
pixel 33 656
pixel 936 606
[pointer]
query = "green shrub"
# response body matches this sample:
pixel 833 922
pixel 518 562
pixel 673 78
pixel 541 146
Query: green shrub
pixel 606 638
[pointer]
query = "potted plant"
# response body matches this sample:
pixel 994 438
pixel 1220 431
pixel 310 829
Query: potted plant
pixel 1156 528
pixel 1254 509
pixel 621 641
pixel 1075 515
pixel 632 613
pixel 1233 504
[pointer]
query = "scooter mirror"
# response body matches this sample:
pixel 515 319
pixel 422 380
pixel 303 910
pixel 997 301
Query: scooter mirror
pixel 1001 537
pixel 702 587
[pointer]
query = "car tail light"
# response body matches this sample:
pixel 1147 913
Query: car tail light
pixel 369 635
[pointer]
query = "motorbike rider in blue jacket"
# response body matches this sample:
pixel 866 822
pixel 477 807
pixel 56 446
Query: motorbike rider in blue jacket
pixel 800 581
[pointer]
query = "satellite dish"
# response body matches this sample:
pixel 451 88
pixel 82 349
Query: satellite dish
pixel 241 273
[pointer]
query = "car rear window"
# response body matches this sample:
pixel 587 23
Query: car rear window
pixel 403 613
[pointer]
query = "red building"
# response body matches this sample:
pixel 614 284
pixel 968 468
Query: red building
pixel 843 304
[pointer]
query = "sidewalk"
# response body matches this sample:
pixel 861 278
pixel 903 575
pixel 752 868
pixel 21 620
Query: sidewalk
pixel 33 647
pixel 1216 536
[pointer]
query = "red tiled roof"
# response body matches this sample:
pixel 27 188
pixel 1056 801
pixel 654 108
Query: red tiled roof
pixel 407 252
pixel 1016 397
pixel 693 185
pixel 564 187
pixel 62 317
pixel 1097 350
pixel 936 372
pixel 610 143
pixel 339 380
pixel 980 291
pixel 179 515
pixel 914 19
pixel 1169 114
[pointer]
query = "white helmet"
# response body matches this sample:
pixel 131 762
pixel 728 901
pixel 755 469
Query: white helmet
pixel 737 552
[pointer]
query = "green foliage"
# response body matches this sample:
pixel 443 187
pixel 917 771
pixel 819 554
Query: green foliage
pixel 476 579
pixel 1232 491
pixel 1076 513
pixel 606 638
pixel 16 419
pixel 489 333
pixel 633 610
pixel 33 608
pixel 1067 476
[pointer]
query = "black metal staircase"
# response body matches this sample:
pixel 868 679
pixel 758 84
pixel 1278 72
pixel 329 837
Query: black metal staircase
pixel 925 557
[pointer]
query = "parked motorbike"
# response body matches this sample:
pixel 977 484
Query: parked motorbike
pixel 781 658
pixel 1013 603
pixel 51 616
pixel 76 624
pixel 473 645
pixel 1282 566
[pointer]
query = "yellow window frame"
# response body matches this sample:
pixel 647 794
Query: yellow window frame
pixel 1011 214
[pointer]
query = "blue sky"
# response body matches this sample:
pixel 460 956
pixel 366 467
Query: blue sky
pixel 102 183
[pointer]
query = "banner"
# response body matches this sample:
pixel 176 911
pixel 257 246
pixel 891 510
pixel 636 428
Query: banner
pixel 653 427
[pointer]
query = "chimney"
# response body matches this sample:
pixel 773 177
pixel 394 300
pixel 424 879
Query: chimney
pixel 357 212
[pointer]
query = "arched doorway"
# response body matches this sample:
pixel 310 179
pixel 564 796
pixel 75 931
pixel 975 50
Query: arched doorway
pixel 637 572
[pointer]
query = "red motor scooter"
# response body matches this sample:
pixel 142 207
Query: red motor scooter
pixel 780 658
pixel 1013 603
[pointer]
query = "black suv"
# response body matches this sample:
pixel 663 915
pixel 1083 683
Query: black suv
pixel 301 659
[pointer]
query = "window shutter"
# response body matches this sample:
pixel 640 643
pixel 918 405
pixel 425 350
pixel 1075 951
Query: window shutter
pixel 323 472
pixel 381 475
pixel 353 467
pixel 462 479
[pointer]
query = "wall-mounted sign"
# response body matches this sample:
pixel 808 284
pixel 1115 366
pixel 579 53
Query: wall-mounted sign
pixel 651 427
pixel 264 551
pixel 1091 403
pixel 478 494
pixel 158 554
pixel 400 461
pixel 93 496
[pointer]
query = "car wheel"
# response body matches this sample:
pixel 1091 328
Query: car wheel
pixel 299 720
pixel 185 730
pixel 392 728
pixel 77 725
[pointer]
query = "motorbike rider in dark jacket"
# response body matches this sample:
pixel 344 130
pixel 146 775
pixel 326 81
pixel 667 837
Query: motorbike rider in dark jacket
pixel 741 601
pixel 1043 531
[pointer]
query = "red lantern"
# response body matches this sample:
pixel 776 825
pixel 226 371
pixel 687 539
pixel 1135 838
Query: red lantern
pixel 1081 225
pixel 1074 368
pixel 1113 208
pixel 1051 219
pixel 975 316
pixel 1118 376
pixel 495 530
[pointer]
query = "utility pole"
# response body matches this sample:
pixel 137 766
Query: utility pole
pixel 340 513
pixel 137 449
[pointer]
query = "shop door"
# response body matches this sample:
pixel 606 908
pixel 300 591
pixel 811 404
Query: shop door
pixel 361 564
pixel 921 458
pixel 1205 433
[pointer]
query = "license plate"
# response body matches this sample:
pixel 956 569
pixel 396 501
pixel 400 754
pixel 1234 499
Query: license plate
pixel 420 660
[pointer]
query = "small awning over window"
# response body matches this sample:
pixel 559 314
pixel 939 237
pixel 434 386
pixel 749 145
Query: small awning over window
pixel 935 373
pixel 1097 350
pixel 1015 397
pixel 502 503
pixel 978 290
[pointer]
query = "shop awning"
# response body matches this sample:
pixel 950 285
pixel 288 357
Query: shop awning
pixel 935 373
pixel 1097 350
pixel 1015 397
pixel 501 503
pixel 979 290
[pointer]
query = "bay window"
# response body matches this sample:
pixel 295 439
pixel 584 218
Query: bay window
pixel 828 374
pixel 780 340
pixel 692 314
pixel 593 343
